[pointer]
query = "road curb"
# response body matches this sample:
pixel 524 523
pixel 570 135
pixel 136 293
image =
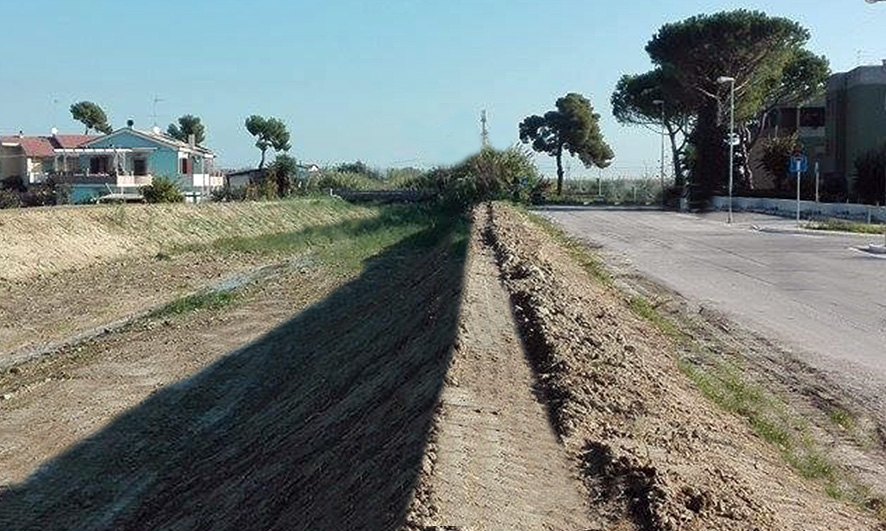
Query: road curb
pixel 811 232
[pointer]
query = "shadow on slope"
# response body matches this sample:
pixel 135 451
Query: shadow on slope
pixel 321 424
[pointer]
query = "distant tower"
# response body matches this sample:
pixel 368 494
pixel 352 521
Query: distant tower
pixel 484 131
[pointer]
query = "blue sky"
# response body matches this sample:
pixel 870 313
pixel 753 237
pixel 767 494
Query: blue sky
pixel 390 82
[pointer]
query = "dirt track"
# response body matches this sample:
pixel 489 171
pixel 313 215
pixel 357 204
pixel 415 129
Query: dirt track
pixel 497 462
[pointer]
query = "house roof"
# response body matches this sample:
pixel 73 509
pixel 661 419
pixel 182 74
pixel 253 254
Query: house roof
pixel 73 141
pixel 161 138
pixel 45 146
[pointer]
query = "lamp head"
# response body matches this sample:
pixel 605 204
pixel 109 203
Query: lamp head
pixel 723 80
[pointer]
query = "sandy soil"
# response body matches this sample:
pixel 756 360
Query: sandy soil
pixel 496 462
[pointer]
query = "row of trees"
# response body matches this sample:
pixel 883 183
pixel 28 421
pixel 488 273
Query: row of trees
pixel 767 58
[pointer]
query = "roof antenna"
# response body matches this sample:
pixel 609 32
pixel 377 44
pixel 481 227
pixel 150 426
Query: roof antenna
pixel 156 100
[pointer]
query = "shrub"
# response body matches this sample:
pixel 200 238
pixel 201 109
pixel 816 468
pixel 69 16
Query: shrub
pixel 162 190
pixel 14 183
pixel 266 190
pixel 777 158
pixel 489 174
pixel 9 199
pixel 870 176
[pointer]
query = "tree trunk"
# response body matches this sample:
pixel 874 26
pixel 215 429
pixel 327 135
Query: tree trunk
pixel 559 170
pixel 676 159
pixel 261 165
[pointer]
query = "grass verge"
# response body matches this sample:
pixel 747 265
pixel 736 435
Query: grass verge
pixel 842 225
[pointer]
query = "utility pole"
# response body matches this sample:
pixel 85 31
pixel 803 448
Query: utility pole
pixel 484 131
pixel 731 82
pixel 662 171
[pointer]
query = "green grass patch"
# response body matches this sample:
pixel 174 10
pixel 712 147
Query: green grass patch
pixel 842 418
pixel 842 225
pixel 346 245
pixel 209 300
pixel 643 308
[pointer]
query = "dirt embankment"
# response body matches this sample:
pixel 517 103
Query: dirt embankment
pixel 38 241
pixel 306 405
pixel 655 453
pixel 493 462
pixel 73 271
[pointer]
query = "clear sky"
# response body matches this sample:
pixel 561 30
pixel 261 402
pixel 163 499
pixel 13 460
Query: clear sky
pixel 390 82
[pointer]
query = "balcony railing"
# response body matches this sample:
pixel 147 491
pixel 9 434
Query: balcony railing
pixel 120 180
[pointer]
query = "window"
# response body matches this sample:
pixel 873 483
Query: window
pixel 185 166
pixel 140 166
pixel 812 117
pixel 98 165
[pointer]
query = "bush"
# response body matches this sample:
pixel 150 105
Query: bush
pixel 777 158
pixel 13 183
pixel 9 199
pixel 490 174
pixel 870 176
pixel 162 190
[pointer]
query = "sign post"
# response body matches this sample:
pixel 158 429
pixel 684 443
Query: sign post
pixel 817 179
pixel 799 164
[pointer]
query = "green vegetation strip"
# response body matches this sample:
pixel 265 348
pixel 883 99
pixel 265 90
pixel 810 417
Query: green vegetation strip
pixel 727 385
pixel 343 248
pixel 842 225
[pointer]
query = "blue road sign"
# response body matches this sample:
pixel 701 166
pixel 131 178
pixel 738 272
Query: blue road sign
pixel 799 164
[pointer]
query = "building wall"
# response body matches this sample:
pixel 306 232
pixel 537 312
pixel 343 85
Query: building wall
pixel 856 119
pixel 12 162
pixel 163 161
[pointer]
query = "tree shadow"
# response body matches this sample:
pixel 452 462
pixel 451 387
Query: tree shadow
pixel 320 424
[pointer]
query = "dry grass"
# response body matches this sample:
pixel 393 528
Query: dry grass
pixel 45 240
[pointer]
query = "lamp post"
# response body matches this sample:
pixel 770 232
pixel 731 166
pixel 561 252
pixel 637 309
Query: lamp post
pixel 731 82
pixel 661 103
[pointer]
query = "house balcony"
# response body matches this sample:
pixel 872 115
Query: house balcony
pixel 99 179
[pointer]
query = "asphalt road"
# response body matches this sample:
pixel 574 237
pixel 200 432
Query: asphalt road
pixel 814 294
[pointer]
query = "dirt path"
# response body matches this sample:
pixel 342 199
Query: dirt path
pixel 499 464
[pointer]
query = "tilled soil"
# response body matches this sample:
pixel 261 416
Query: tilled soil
pixel 48 310
pixel 655 454
pixel 273 414
pixel 495 462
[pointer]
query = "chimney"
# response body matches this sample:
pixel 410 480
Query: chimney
pixel 192 140
pixel 54 131
pixel 21 133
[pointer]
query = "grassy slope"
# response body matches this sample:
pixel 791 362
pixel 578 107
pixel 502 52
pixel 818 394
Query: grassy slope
pixel 45 240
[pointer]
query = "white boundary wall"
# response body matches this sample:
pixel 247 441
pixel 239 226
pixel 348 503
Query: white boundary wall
pixel 808 209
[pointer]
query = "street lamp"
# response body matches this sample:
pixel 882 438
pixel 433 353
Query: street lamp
pixel 731 82
pixel 661 174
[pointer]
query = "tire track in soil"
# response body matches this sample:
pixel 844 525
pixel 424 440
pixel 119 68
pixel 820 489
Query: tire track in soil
pixel 498 463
